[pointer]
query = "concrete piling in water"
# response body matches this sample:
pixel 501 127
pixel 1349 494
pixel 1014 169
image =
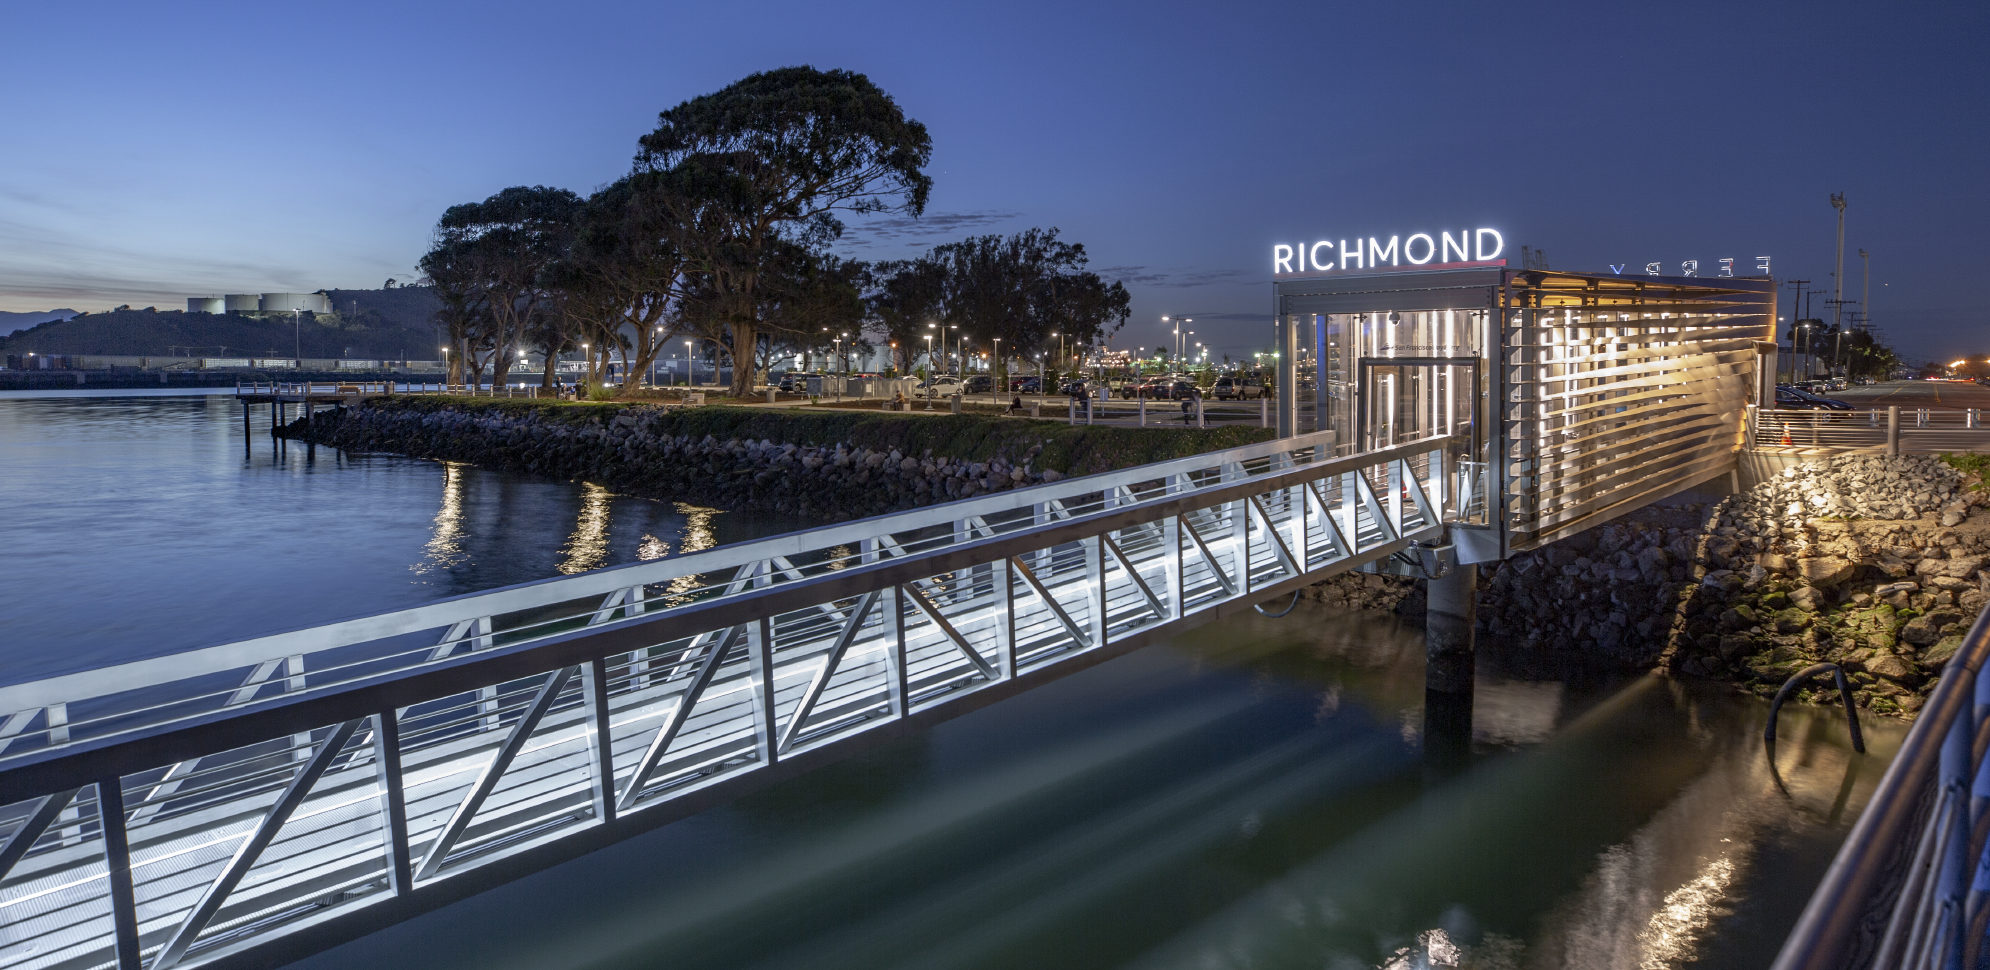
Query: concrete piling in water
pixel 1450 617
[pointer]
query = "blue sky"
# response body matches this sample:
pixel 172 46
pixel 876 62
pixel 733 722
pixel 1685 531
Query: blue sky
pixel 154 151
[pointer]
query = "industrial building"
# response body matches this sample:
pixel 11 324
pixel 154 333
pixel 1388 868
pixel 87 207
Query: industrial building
pixel 260 303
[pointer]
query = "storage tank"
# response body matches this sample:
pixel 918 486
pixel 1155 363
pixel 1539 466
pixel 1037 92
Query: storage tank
pixel 206 304
pixel 242 302
pixel 286 302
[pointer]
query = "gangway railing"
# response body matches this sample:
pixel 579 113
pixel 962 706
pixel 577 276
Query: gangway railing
pixel 1909 888
pixel 249 802
pixel 1891 430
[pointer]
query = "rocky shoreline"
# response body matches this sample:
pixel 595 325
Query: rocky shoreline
pixel 823 465
pixel 1873 563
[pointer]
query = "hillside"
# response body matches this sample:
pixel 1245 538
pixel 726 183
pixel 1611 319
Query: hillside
pixel 377 324
pixel 11 321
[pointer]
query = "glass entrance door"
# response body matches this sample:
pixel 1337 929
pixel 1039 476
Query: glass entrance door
pixel 1403 399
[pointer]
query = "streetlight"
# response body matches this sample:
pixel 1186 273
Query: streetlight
pixel 297 335
pixel 995 372
pixel 445 365
pixel 931 375
pixel 690 366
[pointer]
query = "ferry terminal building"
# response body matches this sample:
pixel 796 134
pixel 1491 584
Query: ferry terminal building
pixel 1578 396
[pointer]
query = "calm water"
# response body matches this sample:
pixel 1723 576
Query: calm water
pixel 1255 794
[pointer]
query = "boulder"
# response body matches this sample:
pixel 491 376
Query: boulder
pixel 1892 668
pixel 1825 572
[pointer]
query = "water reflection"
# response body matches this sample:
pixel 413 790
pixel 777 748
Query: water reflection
pixel 445 546
pixel 587 547
pixel 207 545
pixel 1250 795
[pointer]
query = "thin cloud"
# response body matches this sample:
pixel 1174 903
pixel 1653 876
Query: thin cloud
pixel 898 229
pixel 1148 276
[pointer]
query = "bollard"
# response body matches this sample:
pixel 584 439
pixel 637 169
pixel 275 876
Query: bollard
pixel 1893 429
pixel 1074 412
pixel 956 403
pixel 1264 411
pixel 1143 412
pixel 1199 421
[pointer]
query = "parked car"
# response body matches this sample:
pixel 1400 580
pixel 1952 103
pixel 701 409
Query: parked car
pixel 1025 385
pixel 792 383
pixel 1079 385
pixel 1789 397
pixel 978 384
pixel 1166 389
pixel 941 387
pixel 1237 389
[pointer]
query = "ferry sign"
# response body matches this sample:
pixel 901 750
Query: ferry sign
pixel 1466 247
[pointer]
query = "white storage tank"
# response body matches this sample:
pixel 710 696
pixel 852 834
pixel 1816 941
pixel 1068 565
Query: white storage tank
pixel 286 302
pixel 206 304
pixel 242 302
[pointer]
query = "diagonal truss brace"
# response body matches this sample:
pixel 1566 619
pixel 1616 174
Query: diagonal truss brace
pixel 253 846
pixel 487 779
pixel 1078 634
pixel 37 822
pixel 660 744
pixel 1215 565
pixel 960 642
pixel 816 686
pixel 1153 601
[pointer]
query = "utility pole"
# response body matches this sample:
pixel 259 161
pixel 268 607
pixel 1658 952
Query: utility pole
pixel 1866 298
pixel 1796 319
pixel 1838 278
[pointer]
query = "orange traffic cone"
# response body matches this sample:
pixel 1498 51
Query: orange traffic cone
pixel 1786 435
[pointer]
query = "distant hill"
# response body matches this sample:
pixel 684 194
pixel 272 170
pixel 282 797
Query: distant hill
pixel 12 321
pixel 371 324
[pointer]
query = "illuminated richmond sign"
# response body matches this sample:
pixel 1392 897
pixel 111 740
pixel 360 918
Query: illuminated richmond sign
pixel 1372 253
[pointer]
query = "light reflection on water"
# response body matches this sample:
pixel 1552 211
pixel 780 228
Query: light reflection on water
pixel 140 524
pixel 1250 795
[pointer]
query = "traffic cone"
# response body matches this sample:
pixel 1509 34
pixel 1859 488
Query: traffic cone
pixel 1786 435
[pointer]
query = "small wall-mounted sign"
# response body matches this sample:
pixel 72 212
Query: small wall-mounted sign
pixel 1691 267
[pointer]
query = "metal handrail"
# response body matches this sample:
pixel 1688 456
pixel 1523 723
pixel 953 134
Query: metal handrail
pixel 715 571
pixel 1890 430
pixel 1909 887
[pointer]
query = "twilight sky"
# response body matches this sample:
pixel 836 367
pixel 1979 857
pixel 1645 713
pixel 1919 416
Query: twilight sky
pixel 156 151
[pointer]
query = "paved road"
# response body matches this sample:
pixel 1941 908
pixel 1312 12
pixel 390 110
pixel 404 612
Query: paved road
pixel 1950 395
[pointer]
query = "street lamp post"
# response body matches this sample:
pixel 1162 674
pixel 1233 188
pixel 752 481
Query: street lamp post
pixel 995 372
pixel 297 335
pixel 690 367
pixel 445 366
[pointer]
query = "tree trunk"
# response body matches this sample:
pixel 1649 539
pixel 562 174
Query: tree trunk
pixel 742 363
pixel 551 379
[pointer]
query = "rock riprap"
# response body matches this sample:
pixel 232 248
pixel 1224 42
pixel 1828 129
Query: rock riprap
pixel 1876 563
pixel 629 451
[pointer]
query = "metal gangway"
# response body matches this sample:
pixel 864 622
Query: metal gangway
pixel 249 803
pixel 1911 886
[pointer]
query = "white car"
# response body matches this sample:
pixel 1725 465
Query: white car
pixel 941 387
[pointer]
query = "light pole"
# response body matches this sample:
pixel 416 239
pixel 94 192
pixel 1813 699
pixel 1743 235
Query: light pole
pixel 690 367
pixel 445 365
pixel 297 335
pixel 995 371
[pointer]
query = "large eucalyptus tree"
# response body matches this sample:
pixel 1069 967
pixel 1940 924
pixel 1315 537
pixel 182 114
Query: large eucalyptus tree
pixel 774 159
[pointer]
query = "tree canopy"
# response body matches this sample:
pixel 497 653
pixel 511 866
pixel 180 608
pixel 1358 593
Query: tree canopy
pixel 771 160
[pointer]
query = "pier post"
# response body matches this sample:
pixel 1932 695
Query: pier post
pixel 1449 617
pixel 1448 622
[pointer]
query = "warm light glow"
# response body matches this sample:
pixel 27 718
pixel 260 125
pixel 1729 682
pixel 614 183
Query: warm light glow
pixel 587 547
